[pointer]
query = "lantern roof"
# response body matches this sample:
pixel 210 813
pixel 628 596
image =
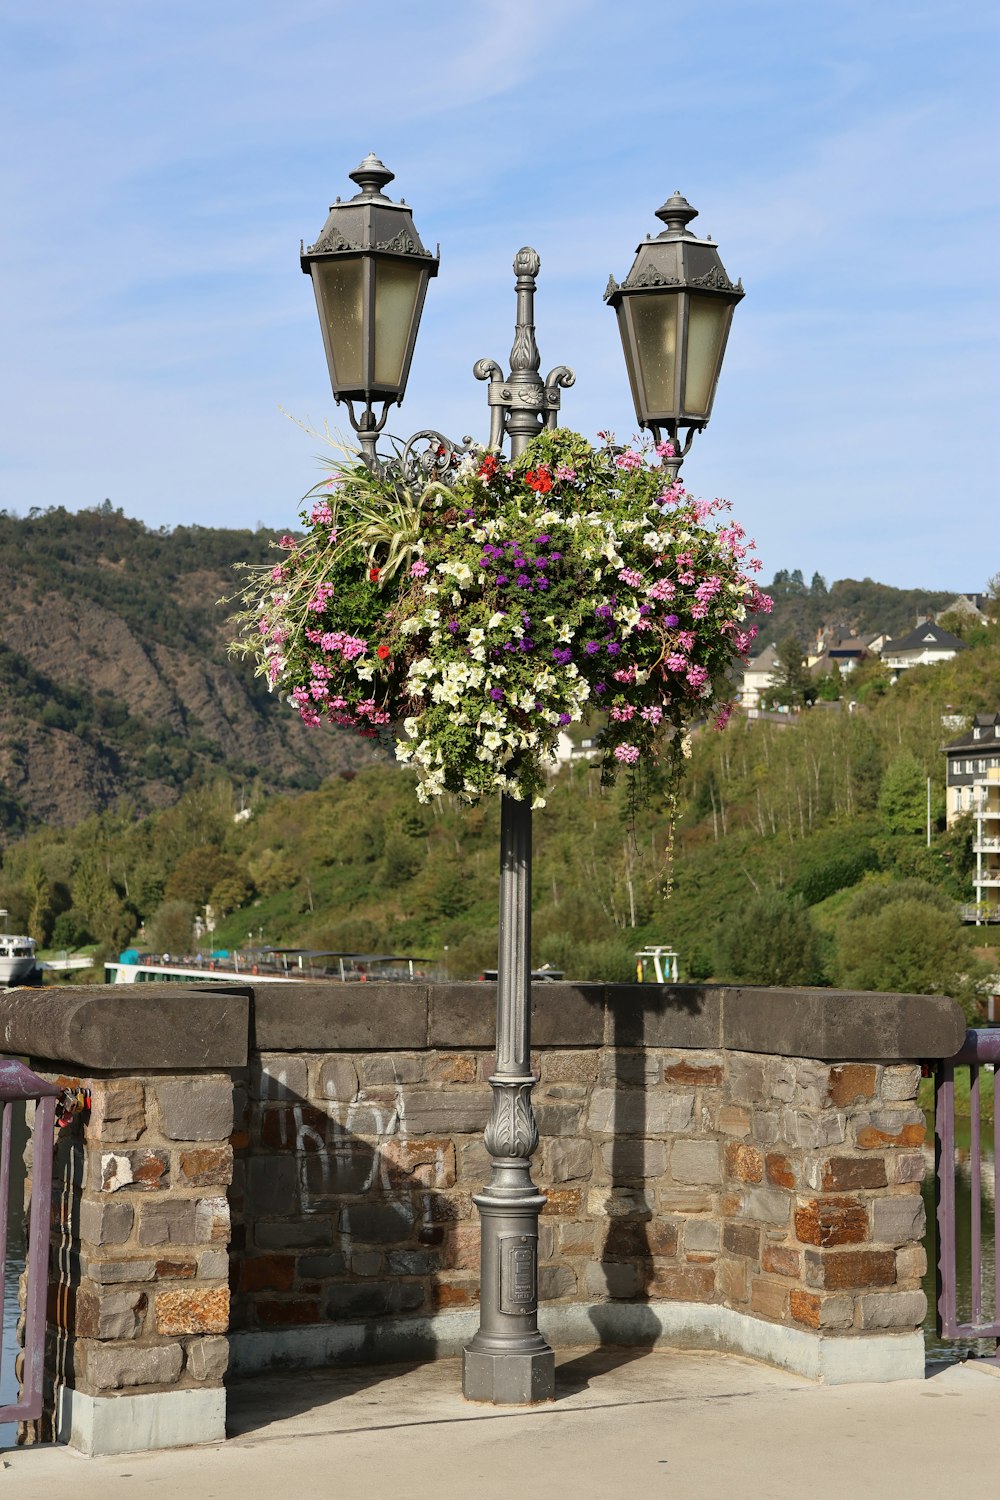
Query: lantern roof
pixel 370 221
pixel 675 259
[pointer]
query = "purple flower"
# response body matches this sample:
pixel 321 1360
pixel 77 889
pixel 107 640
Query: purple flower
pixel 453 626
pixel 496 694
pixel 603 611
pixel 509 646
pixel 600 687
pixel 485 561
pixel 613 648
pixel 541 584
pixel 523 581
pixel 540 541
pixel 525 619
pixel 671 620
pixel 564 718
pixel 468 514
pixel 502 579
pixel 555 557
pixel 592 648
pixel 563 655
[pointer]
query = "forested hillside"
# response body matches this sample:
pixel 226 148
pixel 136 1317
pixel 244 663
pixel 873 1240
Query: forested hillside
pixel 113 674
pixel 114 679
pixel 799 855
pixel 848 606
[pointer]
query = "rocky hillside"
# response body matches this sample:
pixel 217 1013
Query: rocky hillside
pixel 114 680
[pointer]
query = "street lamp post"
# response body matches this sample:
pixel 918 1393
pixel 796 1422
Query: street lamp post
pixel 370 273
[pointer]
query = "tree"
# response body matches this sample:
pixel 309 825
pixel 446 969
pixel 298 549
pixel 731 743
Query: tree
pixel 792 686
pixel 196 874
pixel 771 939
pixel 171 928
pixel 911 946
pixel 902 797
pixel 829 686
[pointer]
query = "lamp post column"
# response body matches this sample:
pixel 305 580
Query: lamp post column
pixel 508 1362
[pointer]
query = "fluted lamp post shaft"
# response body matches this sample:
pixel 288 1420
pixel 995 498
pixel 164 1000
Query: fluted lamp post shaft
pixel 508 1361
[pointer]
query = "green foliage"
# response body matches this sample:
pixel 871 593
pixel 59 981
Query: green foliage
pixel 908 941
pixel 863 606
pixel 816 881
pixel 770 939
pixel 783 814
pixel 170 929
pixel 792 686
pixel 902 798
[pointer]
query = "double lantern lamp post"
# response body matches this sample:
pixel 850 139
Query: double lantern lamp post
pixel 370 270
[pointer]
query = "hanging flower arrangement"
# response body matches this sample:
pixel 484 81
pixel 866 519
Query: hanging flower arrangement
pixel 472 623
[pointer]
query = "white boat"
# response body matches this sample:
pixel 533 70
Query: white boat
pixel 17 956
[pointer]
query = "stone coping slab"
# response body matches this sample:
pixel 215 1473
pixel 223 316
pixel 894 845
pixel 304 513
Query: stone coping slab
pixel 192 1026
pixel 177 1026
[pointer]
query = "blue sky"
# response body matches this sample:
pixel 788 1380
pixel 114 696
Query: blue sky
pixel 164 160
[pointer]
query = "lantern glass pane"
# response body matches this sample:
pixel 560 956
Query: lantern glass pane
pixel 397 283
pixel 340 283
pixel 707 320
pixel 654 321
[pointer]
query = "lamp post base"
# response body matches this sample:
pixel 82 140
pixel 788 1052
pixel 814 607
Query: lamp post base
pixel 509 1379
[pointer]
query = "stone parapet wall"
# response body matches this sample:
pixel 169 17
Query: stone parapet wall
pixel 285 1174
pixel 784 1188
pixel 139 1292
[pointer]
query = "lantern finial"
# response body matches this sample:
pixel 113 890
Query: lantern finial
pixel 677 214
pixel 371 176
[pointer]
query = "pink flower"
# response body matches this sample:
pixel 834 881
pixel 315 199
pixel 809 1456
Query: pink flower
pixel 723 716
pixel 661 589
pixel 623 714
pixel 665 450
pixel 419 569
pixel 321 514
pixel 697 676
pixel 287 542
pixel 631 577
pixel 628 460
pixel 676 663
pixel 628 754
pixel 564 472
pixel 653 714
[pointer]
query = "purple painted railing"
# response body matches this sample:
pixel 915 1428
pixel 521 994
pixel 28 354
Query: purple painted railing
pixel 18 1085
pixel 980 1047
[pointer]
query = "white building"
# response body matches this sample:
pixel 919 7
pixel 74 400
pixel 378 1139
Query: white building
pixel 922 647
pixel 973 786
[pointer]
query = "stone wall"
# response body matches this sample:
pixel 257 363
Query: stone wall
pixel 734 1169
pixel 783 1187
pixel 139 1288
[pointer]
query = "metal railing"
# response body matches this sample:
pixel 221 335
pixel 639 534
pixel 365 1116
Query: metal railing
pixel 980 1047
pixel 18 1087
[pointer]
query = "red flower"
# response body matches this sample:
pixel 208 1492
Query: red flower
pixel 382 653
pixel 373 575
pixel 539 480
pixel 488 467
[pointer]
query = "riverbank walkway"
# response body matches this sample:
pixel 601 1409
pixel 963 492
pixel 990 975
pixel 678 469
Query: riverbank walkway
pixel 625 1422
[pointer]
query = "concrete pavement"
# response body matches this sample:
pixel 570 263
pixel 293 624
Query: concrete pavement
pixel 625 1422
